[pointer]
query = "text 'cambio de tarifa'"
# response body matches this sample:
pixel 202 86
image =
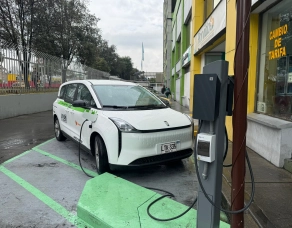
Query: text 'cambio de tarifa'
pixel 275 35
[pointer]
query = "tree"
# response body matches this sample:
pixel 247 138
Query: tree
pixel 125 67
pixel 101 64
pixel 61 28
pixel 108 53
pixel 17 20
pixel 68 31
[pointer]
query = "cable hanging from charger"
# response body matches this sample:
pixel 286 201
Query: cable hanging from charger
pixel 79 151
pixel 204 191
pixel 169 194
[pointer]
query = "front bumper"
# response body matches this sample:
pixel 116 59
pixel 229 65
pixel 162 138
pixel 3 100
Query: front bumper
pixel 154 160
pixel 137 148
pixel 161 158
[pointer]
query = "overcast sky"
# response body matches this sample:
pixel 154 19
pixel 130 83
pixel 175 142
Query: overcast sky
pixel 128 23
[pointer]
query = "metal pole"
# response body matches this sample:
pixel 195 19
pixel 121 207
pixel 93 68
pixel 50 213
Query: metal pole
pixel 240 110
pixel 208 215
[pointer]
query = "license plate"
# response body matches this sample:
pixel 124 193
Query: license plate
pixel 168 147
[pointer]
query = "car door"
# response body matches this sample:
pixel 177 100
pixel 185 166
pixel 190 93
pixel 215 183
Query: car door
pixel 84 94
pixel 60 108
pixel 70 112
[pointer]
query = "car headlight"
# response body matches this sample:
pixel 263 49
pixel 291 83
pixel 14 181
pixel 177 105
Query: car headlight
pixel 192 123
pixel 123 125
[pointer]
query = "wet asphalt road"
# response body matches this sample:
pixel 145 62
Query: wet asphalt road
pixel 19 134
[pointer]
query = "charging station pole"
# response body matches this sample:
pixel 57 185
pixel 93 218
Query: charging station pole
pixel 210 98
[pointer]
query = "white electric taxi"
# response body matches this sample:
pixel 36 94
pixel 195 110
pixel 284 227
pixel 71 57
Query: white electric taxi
pixel 121 123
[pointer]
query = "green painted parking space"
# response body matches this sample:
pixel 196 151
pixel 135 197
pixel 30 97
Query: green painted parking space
pixel 48 188
pixel 110 201
pixel 52 183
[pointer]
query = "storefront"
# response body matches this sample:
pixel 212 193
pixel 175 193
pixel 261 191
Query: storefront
pixel 269 122
pixel 275 64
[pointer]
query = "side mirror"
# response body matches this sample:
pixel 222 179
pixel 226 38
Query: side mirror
pixel 79 103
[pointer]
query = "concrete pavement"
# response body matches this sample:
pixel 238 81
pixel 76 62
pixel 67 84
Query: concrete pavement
pixel 272 205
pixel 38 186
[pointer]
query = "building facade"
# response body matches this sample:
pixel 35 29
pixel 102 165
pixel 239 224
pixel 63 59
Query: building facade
pixel 181 32
pixel 213 37
pixel 168 7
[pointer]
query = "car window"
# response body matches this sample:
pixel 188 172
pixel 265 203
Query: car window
pixel 84 94
pixel 125 95
pixel 70 93
pixel 62 92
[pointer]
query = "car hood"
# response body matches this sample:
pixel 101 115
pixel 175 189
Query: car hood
pixel 151 119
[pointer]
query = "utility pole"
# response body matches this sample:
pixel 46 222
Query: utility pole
pixel 240 110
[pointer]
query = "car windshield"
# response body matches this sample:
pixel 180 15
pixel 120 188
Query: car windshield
pixel 127 97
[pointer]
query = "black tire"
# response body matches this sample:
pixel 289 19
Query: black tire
pixel 58 133
pixel 100 154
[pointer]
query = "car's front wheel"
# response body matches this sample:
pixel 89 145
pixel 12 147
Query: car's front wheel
pixel 101 158
pixel 58 133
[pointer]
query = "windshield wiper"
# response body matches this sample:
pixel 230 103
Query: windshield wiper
pixel 147 106
pixel 115 106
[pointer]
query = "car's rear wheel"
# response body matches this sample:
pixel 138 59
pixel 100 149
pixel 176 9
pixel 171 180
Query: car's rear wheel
pixel 58 133
pixel 101 157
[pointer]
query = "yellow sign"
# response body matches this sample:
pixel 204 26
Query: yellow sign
pixel 275 35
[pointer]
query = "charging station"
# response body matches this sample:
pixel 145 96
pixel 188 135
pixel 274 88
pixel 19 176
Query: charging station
pixel 210 107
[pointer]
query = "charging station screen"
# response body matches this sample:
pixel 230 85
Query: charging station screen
pixel 203 148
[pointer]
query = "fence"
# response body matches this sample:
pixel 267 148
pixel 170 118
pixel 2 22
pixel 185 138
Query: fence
pixel 27 71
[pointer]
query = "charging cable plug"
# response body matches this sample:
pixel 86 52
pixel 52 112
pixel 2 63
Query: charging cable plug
pixel 205 171
pixel 90 125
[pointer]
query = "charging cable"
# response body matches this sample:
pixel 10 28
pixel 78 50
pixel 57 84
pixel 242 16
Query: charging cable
pixel 206 195
pixel 200 182
pixel 79 150
pixel 226 149
pixel 169 194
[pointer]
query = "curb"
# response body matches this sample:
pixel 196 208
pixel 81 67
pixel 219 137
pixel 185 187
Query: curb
pixel 110 201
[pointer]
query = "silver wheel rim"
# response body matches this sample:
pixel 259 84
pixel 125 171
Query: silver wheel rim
pixel 57 128
pixel 96 155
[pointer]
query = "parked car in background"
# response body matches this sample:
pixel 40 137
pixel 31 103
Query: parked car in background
pixel 121 124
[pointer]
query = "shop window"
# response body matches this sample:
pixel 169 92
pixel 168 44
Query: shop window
pixel 178 53
pixel 209 5
pixel 275 75
pixel 188 34
pixel 212 57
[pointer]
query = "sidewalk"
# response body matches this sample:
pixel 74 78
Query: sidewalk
pixel 272 206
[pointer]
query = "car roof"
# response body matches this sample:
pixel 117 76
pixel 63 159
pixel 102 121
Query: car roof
pixel 102 82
